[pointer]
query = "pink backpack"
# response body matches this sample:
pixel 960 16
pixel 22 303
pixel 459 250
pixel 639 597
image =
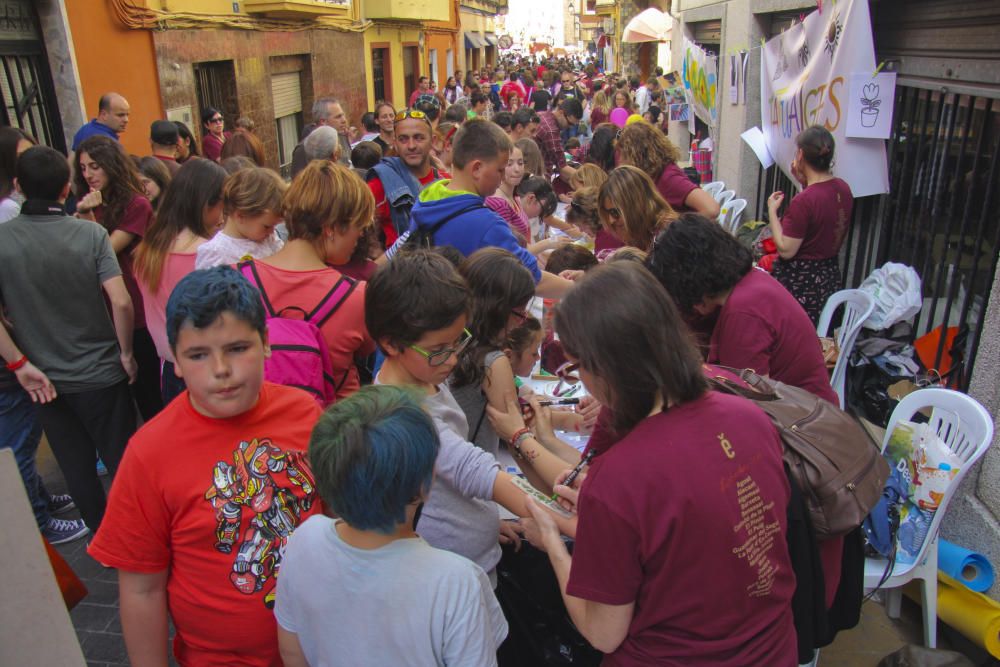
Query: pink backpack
pixel 299 355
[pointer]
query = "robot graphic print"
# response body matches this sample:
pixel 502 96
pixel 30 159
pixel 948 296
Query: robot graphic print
pixel 255 494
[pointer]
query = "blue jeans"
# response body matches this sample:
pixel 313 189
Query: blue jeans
pixel 21 432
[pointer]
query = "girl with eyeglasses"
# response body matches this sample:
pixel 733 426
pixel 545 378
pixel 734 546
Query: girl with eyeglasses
pixel 214 135
pixel 631 208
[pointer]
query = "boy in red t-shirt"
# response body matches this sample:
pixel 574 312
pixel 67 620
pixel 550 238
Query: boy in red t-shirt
pixel 210 490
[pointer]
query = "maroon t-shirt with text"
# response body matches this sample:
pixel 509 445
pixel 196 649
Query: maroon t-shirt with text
pixel 761 326
pixel 685 516
pixel 675 187
pixel 819 215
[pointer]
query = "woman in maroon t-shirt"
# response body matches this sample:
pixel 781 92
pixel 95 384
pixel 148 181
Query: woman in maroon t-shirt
pixel 814 226
pixel 631 208
pixel 214 135
pixel 646 147
pixel 110 192
pixel 680 554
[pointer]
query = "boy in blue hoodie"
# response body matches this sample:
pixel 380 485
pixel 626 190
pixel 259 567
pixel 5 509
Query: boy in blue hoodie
pixel 453 209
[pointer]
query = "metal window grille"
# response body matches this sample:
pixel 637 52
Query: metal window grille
pixel 940 216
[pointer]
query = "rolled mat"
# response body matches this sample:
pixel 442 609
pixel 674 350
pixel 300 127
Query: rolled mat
pixel 973 614
pixel 965 566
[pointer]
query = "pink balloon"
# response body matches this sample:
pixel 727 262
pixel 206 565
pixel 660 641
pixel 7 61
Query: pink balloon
pixel 619 116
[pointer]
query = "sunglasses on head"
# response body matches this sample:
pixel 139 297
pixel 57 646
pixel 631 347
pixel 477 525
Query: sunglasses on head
pixel 411 113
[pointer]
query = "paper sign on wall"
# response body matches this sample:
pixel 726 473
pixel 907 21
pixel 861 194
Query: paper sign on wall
pixel 869 107
pixel 700 73
pixel 805 80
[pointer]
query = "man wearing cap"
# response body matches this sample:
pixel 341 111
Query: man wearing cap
pixel 423 87
pixel 112 118
pixel 163 137
pixel 431 106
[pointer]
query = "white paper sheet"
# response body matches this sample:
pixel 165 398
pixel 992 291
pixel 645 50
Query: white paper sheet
pixel 755 139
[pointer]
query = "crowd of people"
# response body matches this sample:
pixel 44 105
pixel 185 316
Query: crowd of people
pixel 148 306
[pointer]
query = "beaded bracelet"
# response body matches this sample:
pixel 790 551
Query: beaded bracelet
pixel 519 436
pixel 16 365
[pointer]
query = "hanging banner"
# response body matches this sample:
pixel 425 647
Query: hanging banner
pixel 700 73
pixel 805 80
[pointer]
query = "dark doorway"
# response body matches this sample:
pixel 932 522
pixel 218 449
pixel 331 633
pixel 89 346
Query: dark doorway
pixel 29 100
pixel 216 83
pixel 380 73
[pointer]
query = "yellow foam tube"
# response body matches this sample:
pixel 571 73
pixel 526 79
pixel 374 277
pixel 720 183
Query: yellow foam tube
pixel 973 614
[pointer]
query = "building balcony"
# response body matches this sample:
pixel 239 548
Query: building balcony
pixel 426 10
pixel 296 8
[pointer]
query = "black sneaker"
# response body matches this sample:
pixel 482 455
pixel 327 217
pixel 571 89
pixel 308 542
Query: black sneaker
pixel 60 531
pixel 60 504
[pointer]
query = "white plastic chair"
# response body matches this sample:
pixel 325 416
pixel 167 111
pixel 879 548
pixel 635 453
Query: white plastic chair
pixel 858 306
pixel 734 208
pixel 714 188
pixel 967 429
pixel 724 197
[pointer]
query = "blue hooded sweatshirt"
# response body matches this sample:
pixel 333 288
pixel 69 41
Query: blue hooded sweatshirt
pixel 477 228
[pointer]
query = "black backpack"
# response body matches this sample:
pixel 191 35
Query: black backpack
pixel 423 237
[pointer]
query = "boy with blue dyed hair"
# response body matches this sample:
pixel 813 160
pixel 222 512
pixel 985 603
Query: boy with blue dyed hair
pixel 368 574
pixel 210 490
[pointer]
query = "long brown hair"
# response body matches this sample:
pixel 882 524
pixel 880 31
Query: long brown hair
pixel 646 147
pixel 498 284
pixel 124 181
pixel 639 346
pixel 643 208
pixel 197 185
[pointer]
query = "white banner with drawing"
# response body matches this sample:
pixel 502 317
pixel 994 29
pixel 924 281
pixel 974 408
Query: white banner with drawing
pixel 805 80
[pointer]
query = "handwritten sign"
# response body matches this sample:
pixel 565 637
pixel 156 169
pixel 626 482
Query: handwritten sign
pixel 869 105
pixel 700 73
pixel 805 77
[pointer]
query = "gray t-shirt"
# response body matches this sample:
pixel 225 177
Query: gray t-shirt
pixel 460 515
pixel 52 268
pixel 405 603
pixel 472 400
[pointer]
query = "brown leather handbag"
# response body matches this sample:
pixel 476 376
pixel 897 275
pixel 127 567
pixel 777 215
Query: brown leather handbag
pixel 832 459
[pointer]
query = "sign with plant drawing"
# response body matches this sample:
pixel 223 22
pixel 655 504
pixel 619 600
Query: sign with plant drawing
pixel 805 78
pixel 869 109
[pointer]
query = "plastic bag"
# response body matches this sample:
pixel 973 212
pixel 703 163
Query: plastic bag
pixel 896 291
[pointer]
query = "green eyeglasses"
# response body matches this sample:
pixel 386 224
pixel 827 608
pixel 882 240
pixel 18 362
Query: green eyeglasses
pixel 441 356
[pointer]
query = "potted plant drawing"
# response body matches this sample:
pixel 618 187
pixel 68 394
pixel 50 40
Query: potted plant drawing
pixel 869 105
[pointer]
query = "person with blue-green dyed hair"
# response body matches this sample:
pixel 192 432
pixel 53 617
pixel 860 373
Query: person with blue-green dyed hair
pixel 368 573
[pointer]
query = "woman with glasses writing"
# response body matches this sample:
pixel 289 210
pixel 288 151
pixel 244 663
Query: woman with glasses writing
pixel 631 208
pixel 327 208
pixel 680 555
pixel 214 135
